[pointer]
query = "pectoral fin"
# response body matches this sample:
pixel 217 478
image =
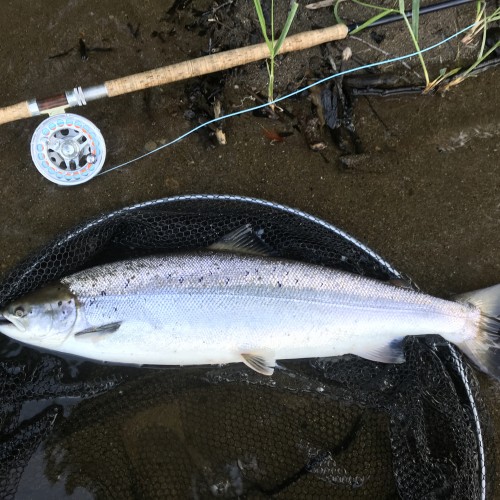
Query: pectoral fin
pixel 262 361
pixel 103 329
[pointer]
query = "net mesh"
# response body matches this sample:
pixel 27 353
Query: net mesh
pixel 334 428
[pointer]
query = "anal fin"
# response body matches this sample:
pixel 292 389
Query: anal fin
pixel 392 352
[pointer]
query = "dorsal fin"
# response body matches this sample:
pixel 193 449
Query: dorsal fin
pixel 242 240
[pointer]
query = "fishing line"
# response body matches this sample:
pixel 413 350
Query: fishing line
pixel 287 96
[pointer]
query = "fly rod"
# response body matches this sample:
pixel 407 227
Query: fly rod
pixel 69 149
pixel 168 74
pixel 197 67
pixel 427 9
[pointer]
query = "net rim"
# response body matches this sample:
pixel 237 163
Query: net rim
pixel 461 369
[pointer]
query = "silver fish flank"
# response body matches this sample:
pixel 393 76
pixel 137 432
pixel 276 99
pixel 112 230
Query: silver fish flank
pixel 218 307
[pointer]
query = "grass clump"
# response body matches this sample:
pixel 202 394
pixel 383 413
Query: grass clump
pixel 481 24
pixel 413 27
pixel 273 45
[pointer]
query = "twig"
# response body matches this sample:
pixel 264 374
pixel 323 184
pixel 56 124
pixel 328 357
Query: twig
pixel 388 54
pixel 219 134
pixel 320 5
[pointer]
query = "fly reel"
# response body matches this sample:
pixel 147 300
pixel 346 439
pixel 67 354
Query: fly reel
pixel 68 149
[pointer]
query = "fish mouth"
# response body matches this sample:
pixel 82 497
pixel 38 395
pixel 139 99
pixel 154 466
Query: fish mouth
pixel 11 321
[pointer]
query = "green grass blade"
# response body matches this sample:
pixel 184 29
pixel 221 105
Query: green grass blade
pixel 415 15
pixel 417 47
pixel 450 73
pixel 338 19
pixel 286 28
pixel 370 21
pixel 262 22
pixel 481 59
pixel 272 26
pixel 376 7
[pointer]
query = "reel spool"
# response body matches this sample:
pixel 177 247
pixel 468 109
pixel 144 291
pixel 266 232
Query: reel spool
pixel 68 149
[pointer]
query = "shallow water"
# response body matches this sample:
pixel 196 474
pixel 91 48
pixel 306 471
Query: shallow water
pixel 425 195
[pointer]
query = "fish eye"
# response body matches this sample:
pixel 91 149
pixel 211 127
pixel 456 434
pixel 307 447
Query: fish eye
pixel 20 312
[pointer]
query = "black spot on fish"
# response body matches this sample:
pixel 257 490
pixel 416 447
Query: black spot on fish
pixel 279 285
pixel 59 303
pixel 103 293
pixel 200 279
pixel 181 280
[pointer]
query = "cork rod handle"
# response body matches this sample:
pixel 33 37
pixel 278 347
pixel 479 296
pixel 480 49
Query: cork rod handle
pixel 221 61
pixel 14 112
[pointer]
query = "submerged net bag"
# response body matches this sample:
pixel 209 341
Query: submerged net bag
pixel 339 427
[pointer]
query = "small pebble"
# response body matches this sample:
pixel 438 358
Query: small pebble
pixel 172 184
pixel 150 146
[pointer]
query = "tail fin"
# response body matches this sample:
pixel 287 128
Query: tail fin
pixel 484 349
